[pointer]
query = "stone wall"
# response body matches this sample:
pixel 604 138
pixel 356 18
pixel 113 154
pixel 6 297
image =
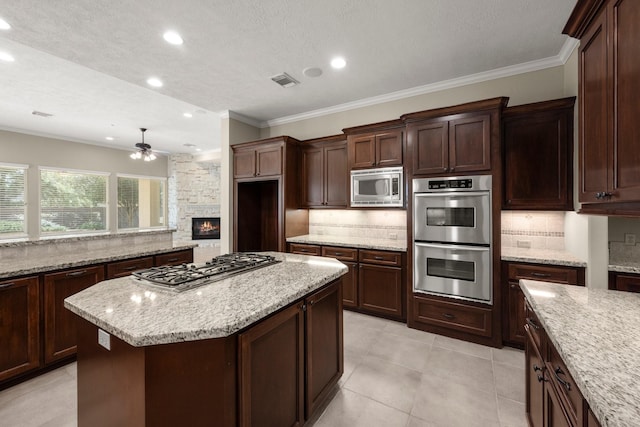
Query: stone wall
pixel 194 191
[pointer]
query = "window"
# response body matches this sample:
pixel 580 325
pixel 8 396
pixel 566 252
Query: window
pixel 72 201
pixel 141 202
pixel 12 200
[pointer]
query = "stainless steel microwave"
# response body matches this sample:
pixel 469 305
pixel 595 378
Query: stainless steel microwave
pixel 382 187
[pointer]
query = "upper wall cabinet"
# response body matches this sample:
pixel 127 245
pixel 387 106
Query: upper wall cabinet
pixel 257 161
pixel 325 176
pixel 376 145
pixel 609 84
pixel 454 140
pixel 538 156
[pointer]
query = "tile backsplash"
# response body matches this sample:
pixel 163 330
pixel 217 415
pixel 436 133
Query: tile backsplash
pixel 381 224
pixel 537 230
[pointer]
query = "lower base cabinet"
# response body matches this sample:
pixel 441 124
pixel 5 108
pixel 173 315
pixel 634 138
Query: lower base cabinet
pixel 19 326
pixel 628 282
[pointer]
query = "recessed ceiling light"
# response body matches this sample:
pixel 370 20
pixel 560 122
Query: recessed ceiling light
pixel 198 149
pixel 109 138
pixel 173 38
pixel 154 81
pixel 4 25
pixel 189 115
pixel 4 56
pixel 188 144
pixel 338 63
pixel 312 72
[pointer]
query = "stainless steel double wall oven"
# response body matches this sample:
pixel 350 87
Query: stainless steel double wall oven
pixel 452 237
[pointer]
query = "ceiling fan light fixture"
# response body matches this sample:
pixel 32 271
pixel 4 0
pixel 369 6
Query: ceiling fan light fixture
pixel 143 150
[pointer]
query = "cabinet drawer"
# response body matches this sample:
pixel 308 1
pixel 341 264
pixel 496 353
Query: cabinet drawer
pixel 381 257
pixel 452 315
pixel 175 258
pixel 125 268
pixel 533 326
pixel 564 384
pixel 544 273
pixel 628 283
pixel 343 254
pixel 299 248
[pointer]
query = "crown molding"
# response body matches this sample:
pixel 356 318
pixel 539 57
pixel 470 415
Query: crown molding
pixel 512 70
pixel 228 114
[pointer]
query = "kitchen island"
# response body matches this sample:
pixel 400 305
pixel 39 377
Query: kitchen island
pixel 596 334
pixel 261 347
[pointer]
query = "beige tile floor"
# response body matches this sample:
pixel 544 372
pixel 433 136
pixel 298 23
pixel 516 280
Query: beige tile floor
pixel 393 376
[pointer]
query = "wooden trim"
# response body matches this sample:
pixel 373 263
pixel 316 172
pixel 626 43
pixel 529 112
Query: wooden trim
pixel 583 13
pixel 469 107
pixel 628 209
pixel 541 107
pixel 276 139
pixel 325 139
pixel 374 127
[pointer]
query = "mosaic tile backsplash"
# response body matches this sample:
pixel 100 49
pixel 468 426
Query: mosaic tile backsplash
pixel 536 230
pixel 380 224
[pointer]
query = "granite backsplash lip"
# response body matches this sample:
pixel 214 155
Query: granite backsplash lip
pixel 625 267
pixel 15 268
pixel 66 239
pixel 597 333
pixel 142 315
pixel 348 241
pixel 541 256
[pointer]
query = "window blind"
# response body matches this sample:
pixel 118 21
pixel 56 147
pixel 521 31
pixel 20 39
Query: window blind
pixel 12 200
pixel 141 202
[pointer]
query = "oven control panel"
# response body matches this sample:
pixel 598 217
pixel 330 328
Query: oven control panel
pixel 450 184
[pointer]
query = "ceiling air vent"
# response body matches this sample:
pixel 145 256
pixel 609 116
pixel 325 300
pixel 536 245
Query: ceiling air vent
pixel 285 80
pixel 41 114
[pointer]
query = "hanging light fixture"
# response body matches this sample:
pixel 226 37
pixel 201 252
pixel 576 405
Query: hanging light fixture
pixel 143 150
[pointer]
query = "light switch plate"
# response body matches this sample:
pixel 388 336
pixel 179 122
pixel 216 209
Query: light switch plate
pixel 524 243
pixel 104 339
pixel 629 239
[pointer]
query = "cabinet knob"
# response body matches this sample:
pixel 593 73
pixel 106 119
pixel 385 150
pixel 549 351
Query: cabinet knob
pixel 445 169
pixel 514 286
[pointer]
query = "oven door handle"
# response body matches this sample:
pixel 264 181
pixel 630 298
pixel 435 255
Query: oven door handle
pixel 452 247
pixel 456 194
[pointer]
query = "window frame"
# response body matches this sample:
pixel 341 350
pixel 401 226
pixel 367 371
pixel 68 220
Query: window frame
pixel 25 196
pixel 78 232
pixel 165 207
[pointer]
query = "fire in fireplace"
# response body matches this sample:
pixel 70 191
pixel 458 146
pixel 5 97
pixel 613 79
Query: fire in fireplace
pixel 205 228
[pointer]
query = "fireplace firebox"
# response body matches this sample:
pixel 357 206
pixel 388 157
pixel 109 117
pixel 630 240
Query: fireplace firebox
pixel 205 228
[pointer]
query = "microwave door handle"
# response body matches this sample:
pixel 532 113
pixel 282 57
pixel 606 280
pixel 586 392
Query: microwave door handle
pixel 452 247
pixel 452 194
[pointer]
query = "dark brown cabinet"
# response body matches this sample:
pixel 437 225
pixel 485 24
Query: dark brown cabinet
pixel 513 318
pixel 59 323
pixel 349 257
pixel 375 145
pixel 19 326
pixel 324 173
pixel 446 314
pixel 534 135
pixel 265 203
pixel 174 258
pixel 126 267
pixel 286 390
pixel 609 81
pixel 628 282
pixel 457 139
pixel 534 381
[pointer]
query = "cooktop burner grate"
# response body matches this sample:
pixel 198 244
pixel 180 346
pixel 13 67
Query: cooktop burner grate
pixel 186 276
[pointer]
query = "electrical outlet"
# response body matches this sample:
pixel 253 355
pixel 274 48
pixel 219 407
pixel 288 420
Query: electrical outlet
pixel 524 244
pixel 393 235
pixel 629 239
pixel 104 339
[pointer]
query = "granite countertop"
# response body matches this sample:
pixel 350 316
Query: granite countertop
pixel 541 256
pixel 143 315
pixel 59 261
pixel 597 333
pixel 353 242
pixel 625 267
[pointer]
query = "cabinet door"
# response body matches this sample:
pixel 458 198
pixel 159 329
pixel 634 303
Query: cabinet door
pixel 350 285
pixel 269 161
pixel 126 267
pixel 531 140
pixel 336 176
pixel 389 149
pixel 244 164
pixel 380 289
pixel 627 282
pixel 19 326
pixel 470 144
pixel 303 249
pixel 324 362
pixel 362 152
pixel 174 258
pixel 594 111
pixel 272 388
pixel 623 19
pixel 554 415
pixel 534 379
pixel 60 323
pixel 430 142
pixel 312 176
pixel 516 313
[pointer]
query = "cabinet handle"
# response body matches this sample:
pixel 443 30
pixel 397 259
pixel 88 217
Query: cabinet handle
pixel 448 316
pixel 337 253
pixel 603 195
pixel 6 285
pixel 541 378
pixel 445 169
pixel 537 368
pixel 557 372
pixel 77 273
pixel 130 268
pixel 379 258
pixel 535 274
pixel 173 259
pixel 532 323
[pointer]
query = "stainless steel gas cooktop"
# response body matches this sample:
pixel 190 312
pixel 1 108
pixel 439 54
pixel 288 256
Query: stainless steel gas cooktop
pixel 188 276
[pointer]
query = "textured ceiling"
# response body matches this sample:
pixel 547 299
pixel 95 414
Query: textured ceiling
pixel 86 62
